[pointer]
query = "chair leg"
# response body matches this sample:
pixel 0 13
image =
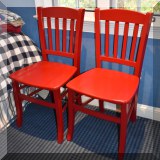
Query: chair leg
pixel 134 112
pixel 101 105
pixel 18 103
pixel 79 99
pixel 118 126
pixel 52 96
pixel 59 115
pixel 123 133
pixel 71 115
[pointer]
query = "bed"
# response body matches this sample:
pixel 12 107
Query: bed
pixel 17 50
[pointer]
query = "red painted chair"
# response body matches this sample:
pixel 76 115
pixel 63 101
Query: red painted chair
pixel 52 75
pixel 109 85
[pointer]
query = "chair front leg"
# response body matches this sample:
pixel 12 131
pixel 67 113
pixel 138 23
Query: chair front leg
pixel 71 115
pixel 59 115
pixel 123 132
pixel 18 102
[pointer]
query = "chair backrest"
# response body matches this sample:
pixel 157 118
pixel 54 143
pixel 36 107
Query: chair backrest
pixel 139 23
pixel 60 31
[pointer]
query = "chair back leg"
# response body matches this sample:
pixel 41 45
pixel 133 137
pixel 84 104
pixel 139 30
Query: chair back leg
pixel 134 112
pixel 101 105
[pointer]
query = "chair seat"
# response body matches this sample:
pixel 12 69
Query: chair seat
pixel 49 75
pixel 108 85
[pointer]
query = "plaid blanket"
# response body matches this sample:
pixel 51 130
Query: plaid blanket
pixel 16 51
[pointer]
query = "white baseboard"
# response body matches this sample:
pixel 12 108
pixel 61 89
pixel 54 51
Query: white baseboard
pixel 144 111
pixel 149 112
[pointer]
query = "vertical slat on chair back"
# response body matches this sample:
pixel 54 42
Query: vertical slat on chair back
pixel 62 34
pixel 140 24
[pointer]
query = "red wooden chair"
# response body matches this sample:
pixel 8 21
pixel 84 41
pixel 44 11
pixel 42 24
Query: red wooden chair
pixel 109 85
pixel 52 75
